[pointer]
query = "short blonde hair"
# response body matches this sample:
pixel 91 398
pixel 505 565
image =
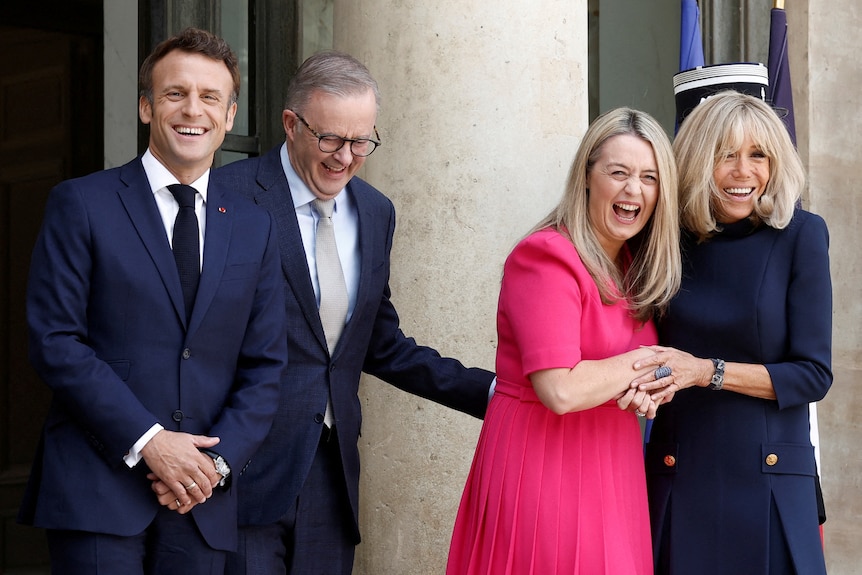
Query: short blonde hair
pixel 716 128
pixel 654 275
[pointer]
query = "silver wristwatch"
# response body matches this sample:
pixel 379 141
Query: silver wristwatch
pixel 221 467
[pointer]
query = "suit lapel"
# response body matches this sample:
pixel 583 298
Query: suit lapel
pixel 218 235
pixel 273 193
pixel 138 200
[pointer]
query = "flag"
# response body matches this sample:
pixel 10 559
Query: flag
pixel 781 93
pixel 690 41
pixel 781 98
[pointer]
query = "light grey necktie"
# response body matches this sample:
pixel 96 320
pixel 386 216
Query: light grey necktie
pixel 330 278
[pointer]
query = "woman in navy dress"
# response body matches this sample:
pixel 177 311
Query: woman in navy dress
pixel 730 464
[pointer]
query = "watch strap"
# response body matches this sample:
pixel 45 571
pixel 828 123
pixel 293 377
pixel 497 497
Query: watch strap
pixel 717 380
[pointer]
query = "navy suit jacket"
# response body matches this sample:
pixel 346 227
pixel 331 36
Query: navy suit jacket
pixel 108 336
pixel 372 341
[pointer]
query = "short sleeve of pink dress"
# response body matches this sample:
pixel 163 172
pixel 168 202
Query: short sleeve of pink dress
pixel 549 493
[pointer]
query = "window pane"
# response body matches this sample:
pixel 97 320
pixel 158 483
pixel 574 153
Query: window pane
pixel 234 29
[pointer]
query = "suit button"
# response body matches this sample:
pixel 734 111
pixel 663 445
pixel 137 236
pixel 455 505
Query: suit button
pixel 177 416
pixel 318 418
pixel 771 459
pixel 331 367
pixel 669 460
pixel 187 353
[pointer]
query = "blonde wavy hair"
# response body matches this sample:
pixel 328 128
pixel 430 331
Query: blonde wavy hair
pixel 717 128
pixel 654 275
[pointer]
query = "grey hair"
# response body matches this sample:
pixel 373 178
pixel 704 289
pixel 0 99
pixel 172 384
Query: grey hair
pixel 330 72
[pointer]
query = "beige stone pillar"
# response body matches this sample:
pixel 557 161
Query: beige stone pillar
pixel 483 106
pixel 824 48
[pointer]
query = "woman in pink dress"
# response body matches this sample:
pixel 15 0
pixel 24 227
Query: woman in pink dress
pixel 557 483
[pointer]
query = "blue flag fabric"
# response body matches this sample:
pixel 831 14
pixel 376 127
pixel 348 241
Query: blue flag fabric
pixel 781 92
pixel 690 41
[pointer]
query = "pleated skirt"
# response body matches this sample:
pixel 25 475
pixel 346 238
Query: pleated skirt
pixel 550 494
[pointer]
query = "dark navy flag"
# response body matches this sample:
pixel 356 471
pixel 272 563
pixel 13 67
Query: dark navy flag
pixel 781 92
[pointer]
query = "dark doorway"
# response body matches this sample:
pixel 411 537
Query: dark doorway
pixel 51 108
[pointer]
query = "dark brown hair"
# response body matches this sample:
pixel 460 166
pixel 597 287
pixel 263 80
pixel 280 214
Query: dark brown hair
pixel 194 41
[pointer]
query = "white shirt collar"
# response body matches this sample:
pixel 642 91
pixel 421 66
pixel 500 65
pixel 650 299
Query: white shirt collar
pixel 160 177
pixel 301 193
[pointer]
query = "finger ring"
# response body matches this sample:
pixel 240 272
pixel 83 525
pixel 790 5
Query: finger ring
pixel 661 372
pixel 192 486
pixel 178 503
pixel 640 414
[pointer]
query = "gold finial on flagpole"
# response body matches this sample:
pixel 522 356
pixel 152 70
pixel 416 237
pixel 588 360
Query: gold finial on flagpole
pixel 778 4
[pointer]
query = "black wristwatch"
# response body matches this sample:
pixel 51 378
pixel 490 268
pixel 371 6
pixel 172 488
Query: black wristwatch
pixel 221 466
pixel 717 377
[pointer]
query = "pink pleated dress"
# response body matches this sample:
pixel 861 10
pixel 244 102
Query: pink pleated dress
pixel 554 494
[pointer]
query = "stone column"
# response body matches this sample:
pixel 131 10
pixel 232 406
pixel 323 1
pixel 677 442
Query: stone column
pixel 824 45
pixel 483 106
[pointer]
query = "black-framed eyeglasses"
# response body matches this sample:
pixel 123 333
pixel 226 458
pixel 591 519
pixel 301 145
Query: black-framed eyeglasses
pixel 329 143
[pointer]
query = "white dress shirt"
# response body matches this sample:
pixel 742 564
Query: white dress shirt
pixel 345 221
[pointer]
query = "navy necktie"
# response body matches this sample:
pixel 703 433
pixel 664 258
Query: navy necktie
pixel 186 244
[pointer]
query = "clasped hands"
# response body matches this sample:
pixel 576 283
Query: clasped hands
pixel 662 371
pixel 181 475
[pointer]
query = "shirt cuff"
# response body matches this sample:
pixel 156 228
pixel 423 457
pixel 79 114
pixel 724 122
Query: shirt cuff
pixel 134 455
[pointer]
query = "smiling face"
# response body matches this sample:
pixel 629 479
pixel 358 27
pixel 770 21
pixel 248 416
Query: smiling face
pixel 190 112
pixel 741 178
pixel 324 173
pixel 623 190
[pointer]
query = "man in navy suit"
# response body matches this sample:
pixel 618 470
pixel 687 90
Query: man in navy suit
pixel 157 403
pixel 299 495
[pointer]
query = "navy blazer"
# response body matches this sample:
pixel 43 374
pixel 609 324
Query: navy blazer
pixel 372 341
pixel 725 470
pixel 108 336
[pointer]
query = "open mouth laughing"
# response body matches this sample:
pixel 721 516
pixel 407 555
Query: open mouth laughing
pixel 626 212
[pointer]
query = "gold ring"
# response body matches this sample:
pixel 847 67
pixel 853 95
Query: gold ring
pixel 192 486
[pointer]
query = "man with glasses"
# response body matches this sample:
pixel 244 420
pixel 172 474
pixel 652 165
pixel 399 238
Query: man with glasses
pixel 298 498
